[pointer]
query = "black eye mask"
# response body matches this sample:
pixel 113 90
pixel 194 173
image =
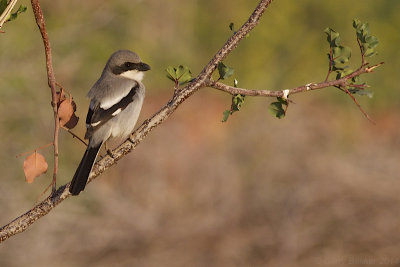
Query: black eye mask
pixel 127 66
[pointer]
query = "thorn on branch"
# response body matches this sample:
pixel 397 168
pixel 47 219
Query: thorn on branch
pixel 371 69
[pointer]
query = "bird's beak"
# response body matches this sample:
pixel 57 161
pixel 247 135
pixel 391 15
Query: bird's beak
pixel 143 67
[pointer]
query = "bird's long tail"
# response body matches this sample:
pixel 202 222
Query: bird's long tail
pixel 81 175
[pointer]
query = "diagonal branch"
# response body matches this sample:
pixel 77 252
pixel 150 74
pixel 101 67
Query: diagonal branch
pixel 21 223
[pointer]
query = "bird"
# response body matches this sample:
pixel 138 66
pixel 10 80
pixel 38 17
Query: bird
pixel 116 100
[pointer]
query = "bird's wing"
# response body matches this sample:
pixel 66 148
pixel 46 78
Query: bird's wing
pixel 97 116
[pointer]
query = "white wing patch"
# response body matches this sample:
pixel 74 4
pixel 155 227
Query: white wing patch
pixel 116 112
pixel 94 124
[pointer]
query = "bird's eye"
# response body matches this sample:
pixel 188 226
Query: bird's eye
pixel 128 64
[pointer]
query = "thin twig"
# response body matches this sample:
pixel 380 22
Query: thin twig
pixel 51 81
pixel 39 148
pixel 42 194
pixel 330 60
pixel 362 51
pixel 74 135
pixel 358 105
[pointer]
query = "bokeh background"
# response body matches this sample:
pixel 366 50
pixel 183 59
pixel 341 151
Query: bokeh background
pixel 319 187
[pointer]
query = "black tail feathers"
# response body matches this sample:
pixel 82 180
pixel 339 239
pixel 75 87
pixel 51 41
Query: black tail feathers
pixel 81 176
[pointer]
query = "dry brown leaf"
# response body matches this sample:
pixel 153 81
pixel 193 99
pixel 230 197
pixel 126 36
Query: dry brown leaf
pixel 34 165
pixel 72 122
pixel 65 111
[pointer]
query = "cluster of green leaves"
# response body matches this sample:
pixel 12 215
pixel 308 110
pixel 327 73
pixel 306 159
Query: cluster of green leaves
pixel 237 101
pixel 367 41
pixel 180 75
pixel 278 108
pixel 11 16
pixel 339 55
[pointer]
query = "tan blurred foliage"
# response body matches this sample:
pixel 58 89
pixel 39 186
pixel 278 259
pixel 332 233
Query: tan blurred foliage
pixel 318 187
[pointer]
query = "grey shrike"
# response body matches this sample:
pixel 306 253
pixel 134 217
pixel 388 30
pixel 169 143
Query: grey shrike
pixel 115 103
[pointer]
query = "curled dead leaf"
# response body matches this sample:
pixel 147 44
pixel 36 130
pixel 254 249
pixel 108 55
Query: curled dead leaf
pixel 65 111
pixel 73 121
pixel 34 165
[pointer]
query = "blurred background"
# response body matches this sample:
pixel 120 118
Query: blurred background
pixel 319 187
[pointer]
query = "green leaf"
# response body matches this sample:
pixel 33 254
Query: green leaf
pixel 20 10
pixel 341 54
pixel 183 74
pixel 372 41
pixel 185 78
pixel 3 5
pixel 333 37
pixel 370 52
pixel 337 40
pixel 342 73
pixel 276 108
pixel 224 71
pixel 171 73
pixel 345 54
pixel 237 101
pixel 180 71
pixel 356 22
pixel 336 52
pixel 226 114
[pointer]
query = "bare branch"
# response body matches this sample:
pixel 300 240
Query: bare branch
pixel 74 135
pixel 51 81
pixel 300 89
